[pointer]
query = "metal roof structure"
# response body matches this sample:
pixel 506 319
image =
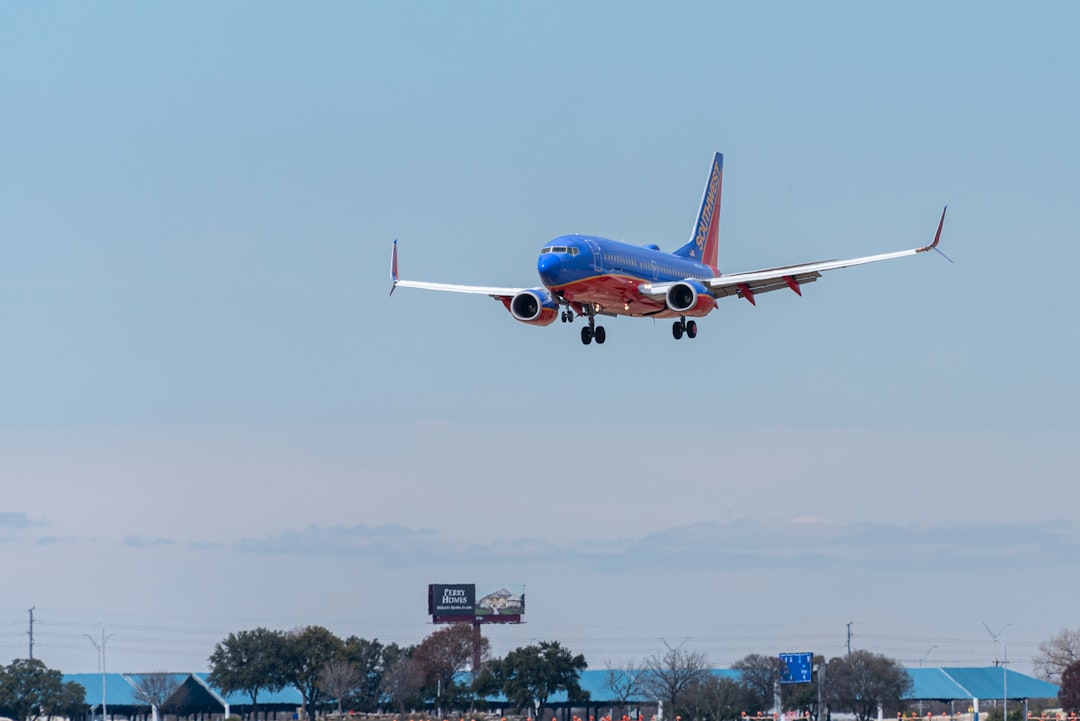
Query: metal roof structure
pixel 120 691
pixel 990 682
pixel 928 684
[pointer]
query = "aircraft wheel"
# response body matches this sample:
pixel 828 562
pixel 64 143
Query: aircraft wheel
pixel 691 329
pixel 586 335
pixel 562 316
pixel 677 329
pixel 600 334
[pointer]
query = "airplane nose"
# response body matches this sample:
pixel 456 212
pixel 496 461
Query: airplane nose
pixel 549 266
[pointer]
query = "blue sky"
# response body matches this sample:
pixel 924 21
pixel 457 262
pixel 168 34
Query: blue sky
pixel 213 417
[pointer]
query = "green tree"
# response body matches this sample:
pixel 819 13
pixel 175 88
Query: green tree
pixel 529 675
pixel 249 662
pixel 71 703
pixel 369 659
pixel 307 652
pixel 29 690
pixel 1069 693
pixel 861 681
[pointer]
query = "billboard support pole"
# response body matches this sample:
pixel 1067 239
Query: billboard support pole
pixel 476 641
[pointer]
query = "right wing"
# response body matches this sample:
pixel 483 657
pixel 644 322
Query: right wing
pixel 493 291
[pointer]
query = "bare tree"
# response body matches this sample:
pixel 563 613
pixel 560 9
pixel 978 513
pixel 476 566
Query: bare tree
pixel 339 678
pixel 626 682
pixel 716 699
pixel 442 656
pixel 156 689
pixel 862 681
pixel 1057 654
pixel 759 674
pixel 671 673
pixel 401 683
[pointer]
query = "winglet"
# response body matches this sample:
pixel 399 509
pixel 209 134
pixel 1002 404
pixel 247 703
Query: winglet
pixel 937 236
pixel 393 269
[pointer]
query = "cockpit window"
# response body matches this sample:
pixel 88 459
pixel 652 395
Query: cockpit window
pixel 559 249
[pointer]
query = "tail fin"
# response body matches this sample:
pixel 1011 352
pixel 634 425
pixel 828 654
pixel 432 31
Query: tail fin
pixel 704 241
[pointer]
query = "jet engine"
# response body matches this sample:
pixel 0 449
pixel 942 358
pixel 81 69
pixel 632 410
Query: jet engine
pixel 690 297
pixel 535 306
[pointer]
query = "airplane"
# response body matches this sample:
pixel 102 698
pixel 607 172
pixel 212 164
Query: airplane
pixel 588 276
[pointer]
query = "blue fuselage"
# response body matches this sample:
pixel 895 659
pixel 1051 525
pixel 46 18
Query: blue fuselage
pixel 590 269
pixel 573 258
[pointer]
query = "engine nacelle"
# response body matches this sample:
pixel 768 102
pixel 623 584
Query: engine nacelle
pixel 690 297
pixel 535 306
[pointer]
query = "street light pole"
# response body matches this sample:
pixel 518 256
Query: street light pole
pixel 101 662
pixel 1004 671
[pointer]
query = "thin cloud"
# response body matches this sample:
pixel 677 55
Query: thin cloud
pixel 144 542
pixel 14 523
pixel 741 544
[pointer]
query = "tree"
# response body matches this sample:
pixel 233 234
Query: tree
pixel 529 675
pixel 715 699
pixel 369 657
pixel 861 681
pixel 444 654
pixel 803 697
pixel 339 678
pixel 625 682
pixel 759 674
pixel 1069 693
pixel 29 690
pixel 669 674
pixel 307 651
pixel 1056 654
pixel 71 703
pixel 401 683
pixel 155 689
pixel 249 662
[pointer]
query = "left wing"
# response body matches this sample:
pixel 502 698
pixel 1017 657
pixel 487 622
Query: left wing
pixel 746 285
pixel 493 291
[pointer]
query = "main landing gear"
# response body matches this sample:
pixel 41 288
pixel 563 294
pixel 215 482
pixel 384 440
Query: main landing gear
pixel 591 331
pixel 682 325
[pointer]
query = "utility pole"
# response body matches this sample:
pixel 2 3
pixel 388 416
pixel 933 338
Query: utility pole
pixel 849 637
pixel 30 633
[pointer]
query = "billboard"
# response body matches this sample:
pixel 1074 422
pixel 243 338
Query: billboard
pixel 452 599
pixel 796 667
pixel 476 602
pixel 500 600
